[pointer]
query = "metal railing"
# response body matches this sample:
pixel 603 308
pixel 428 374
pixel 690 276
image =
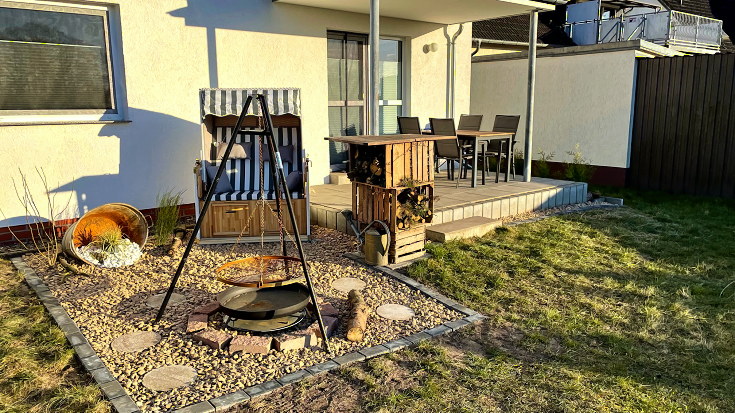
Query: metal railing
pixel 667 28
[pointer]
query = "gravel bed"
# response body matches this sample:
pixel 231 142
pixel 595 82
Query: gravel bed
pixel 110 302
pixel 564 209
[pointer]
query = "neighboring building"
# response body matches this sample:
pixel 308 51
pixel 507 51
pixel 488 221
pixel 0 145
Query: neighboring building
pixel 103 96
pixel 586 70
pixel 584 96
pixel 715 9
pixel 689 26
pixel 510 34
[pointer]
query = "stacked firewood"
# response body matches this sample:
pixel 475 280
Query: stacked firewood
pixel 368 166
pixel 413 208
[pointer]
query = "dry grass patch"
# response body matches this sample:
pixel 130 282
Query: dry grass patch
pixel 38 372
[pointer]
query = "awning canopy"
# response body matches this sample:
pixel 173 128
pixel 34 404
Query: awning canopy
pixel 434 11
pixel 225 102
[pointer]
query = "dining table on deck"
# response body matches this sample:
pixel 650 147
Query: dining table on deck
pixel 485 137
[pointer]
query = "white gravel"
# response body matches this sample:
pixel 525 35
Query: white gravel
pixel 127 253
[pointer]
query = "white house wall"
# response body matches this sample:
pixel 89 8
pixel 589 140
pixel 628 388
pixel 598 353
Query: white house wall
pixel 167 59
pixel 584 99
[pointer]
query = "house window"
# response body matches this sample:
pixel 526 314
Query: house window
pixel 347 83
pixel 391 85
pixel 58 63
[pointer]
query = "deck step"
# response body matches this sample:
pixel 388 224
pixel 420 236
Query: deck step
pixel 338 178
pixel 463 228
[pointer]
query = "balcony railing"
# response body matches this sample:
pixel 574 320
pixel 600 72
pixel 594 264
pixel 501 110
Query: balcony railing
pixel 684 31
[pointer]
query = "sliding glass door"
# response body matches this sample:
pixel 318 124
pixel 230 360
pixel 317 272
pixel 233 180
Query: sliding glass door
pixel 348 86
pixel 347 80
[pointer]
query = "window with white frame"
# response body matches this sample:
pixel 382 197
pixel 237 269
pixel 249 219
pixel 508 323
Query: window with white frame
pixel 391 85
pixel 58 63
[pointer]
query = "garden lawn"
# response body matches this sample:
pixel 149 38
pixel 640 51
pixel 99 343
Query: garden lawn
pixel 613 310
pixel 618 310
pixel 38 372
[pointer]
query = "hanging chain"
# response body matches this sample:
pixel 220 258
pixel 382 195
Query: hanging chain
pixel 261 139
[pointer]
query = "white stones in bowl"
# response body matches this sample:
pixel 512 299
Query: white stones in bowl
pixel 348 283
pixel 169 377
pixel 136 341
pixel 395 312
pixel 127 253
pixel 156 300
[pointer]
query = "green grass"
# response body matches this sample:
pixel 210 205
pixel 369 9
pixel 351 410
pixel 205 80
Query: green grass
pixel 38 372
pixel 607 311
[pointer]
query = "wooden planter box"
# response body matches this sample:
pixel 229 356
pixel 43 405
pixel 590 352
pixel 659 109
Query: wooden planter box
pixel 407 244
pixel 375 195
pixel 370 202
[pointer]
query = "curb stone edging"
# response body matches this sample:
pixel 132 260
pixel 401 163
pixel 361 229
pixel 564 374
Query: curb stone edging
pixel 123 403
pixel 111 388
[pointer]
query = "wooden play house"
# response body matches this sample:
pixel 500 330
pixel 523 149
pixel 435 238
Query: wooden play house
pixel 237 211
pixel 393 182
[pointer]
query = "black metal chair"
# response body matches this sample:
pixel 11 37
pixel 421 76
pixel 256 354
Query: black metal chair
pixel 503 123
pixel 449 149
pixel 409 125
pixel 470 122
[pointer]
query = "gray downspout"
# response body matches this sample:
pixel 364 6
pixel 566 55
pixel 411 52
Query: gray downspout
pixel 374 92
pixel 528 148
pixel 451 67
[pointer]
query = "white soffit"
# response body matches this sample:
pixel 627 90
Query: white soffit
pixel 434 11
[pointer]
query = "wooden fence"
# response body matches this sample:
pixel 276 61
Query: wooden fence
pixel 684 125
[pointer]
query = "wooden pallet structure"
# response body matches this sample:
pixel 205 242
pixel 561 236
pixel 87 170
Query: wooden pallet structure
pixel 393 182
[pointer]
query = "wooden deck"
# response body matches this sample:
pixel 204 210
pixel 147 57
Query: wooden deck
pixel 451 204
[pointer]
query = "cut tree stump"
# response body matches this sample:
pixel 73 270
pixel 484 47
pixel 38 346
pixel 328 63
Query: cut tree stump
pixel 357 322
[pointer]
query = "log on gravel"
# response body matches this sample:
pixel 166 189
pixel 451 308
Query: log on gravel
pixel 357 322
pixel 179 235
pixel 69 266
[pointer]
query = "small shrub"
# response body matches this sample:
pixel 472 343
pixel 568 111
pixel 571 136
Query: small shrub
pixel 579 170
pixel 542 164
pixel 110 240
pixel 167 217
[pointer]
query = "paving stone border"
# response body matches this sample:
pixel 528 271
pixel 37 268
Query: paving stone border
pixel 110 387
pixel 123 403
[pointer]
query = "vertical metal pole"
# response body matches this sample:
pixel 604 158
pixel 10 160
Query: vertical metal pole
pixel 374 94
pixel 528 148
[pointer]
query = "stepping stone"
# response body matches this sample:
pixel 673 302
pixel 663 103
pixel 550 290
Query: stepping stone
pixel 169 377
pixel 395 312
pixel 135 341
pixel 348 283
pixel 156 300
pixel 462 228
